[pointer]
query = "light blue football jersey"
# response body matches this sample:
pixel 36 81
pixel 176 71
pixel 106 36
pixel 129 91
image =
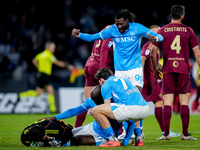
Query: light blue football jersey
pixel 126 46
pixel 88 103
pixel 122 91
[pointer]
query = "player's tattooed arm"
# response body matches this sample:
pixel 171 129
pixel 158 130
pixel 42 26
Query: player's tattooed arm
pixel 156 71
pixel 143 59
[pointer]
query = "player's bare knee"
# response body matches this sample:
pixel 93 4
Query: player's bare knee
pixel 158 103
pixel 94 111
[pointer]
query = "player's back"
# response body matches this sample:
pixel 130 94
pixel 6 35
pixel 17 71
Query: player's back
pixel 45 60
pixel 98 50
pixel 122 91
pixel 94 59
pixel 178 39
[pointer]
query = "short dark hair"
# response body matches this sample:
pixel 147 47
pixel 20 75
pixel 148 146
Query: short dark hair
pixel 96 95
pixel 177 11
pixel 36 133
pixel 124 13
pixel 103 73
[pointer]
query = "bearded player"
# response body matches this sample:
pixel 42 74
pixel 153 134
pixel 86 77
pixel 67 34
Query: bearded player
pixel 178 38
pixel 151 88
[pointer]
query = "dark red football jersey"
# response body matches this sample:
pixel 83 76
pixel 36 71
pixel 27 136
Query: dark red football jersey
pixel 151 88
pixel 102 54
pixel 148 77
pixel 178 39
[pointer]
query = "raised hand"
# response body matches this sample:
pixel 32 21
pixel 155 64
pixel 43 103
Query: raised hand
pixel 152 38
pixel 75 32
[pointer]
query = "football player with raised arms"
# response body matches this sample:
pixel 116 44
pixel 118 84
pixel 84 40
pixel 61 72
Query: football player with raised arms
pixel 126 36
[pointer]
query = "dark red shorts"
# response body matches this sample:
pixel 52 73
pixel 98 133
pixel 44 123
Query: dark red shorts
pixel 89 76
pixel 151 93
pixel 176 83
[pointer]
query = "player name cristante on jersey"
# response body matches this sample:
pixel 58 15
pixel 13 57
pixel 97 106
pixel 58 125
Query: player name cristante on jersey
pixel 171 29
pixel 178 41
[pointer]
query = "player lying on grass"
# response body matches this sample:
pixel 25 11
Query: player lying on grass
pixel 45 133
pixel 91 134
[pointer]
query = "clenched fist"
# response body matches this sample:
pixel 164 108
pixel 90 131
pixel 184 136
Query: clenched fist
pixel 75 32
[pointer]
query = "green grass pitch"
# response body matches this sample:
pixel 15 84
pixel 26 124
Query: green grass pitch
pixel 11 126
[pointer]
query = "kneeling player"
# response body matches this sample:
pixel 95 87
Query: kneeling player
pixel 92 134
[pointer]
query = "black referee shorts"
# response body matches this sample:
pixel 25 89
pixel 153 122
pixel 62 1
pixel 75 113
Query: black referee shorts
pixel 43 80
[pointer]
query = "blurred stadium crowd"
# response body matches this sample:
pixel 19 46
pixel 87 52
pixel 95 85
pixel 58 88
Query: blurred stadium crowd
pixel 25 25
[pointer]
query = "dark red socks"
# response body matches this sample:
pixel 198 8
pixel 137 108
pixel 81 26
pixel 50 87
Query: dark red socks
pixel 185 117
pixel 159 117
pixel 167 114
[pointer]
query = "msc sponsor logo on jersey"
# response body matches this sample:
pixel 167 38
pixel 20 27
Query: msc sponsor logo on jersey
pixel 125 39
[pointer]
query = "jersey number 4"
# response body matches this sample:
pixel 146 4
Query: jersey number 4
pixel 176 44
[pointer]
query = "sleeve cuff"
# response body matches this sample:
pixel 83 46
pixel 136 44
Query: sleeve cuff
pixel 156 39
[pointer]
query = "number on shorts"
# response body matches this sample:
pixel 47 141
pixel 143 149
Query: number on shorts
pixel 176 44
pixel 123 82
